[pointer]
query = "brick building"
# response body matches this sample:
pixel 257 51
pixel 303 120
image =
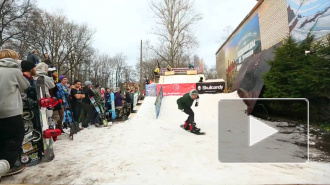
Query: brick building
pixel 269 22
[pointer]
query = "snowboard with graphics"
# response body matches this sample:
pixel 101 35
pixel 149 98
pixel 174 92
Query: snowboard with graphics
pixel 99 109
pixel 32 146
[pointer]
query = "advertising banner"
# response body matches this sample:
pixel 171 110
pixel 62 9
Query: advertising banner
pixel 210 87
pixel 176 89
pixel 151 90
pixel 246 43
pixel 308 16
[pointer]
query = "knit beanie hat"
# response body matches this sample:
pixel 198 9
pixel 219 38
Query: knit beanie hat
pixel 61 78
pixel 194 92
pixel 88 83
pixel 27 65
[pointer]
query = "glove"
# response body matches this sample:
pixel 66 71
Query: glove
pixel 196 104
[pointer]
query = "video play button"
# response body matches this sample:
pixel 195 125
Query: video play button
pixel 259 131
pixel 244 138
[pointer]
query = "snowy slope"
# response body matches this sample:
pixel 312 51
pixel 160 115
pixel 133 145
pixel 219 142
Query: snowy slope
pixel 144 150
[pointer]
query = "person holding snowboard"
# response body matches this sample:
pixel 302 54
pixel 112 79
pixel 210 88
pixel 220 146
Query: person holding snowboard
pixel 86 104
pixel 42 70
pixel 184 104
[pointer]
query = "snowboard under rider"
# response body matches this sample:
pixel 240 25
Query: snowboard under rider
pixel 184 104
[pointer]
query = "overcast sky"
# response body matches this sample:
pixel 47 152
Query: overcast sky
pixel 121 24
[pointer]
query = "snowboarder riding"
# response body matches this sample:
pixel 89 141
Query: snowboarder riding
pixel 184 104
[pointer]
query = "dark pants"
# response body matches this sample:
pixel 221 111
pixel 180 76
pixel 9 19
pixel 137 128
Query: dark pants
pixel 89 114
pixel 60 122
pixel 76 111
pixel 11 138
pixel 96 117
pixel 190 112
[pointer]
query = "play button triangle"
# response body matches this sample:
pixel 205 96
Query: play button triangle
pixel 259 131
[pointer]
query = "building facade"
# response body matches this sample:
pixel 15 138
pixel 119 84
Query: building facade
pixel 267 24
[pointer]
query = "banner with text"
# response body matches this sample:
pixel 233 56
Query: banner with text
pixel 210 87
pixel 246 43
pixel 176 89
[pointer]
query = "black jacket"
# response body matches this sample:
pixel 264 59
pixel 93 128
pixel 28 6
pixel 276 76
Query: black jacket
pixel 33 58
pixel 88 92
pixel 128 98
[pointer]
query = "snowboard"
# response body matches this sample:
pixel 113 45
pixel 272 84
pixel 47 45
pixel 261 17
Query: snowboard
pixel 196 133
pixel 32 147
pixel 113 106
pixel 68 122
pixel 48 150
pixel 47 142
pixel 99 111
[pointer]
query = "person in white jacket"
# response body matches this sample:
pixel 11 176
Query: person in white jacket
pixel 12 83
pixel 42 70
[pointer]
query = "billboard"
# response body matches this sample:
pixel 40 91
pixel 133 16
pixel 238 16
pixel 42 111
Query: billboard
pixel 210 87
pixel 151 90
pixel 176 89
pixel 308 16
pixel 246 43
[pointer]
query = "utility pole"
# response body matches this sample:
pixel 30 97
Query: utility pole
pixel 141 80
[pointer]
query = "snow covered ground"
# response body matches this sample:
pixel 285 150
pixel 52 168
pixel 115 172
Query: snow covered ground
pixel 148 151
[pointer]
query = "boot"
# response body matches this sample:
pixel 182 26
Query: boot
pixel 77 127
pixel 4 167
pixel 193 128
pixel 72 130
pixel 14 170
pixel 186 125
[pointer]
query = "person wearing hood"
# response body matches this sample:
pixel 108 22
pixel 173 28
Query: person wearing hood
pixel 42 70
pixel 32 57
pixel 12 83
pixel 184 104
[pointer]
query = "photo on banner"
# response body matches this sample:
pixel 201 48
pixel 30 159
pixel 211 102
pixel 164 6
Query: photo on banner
pixel 308 16
pixel 242 47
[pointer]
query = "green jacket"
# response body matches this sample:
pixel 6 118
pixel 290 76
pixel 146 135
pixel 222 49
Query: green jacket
pixel 186 101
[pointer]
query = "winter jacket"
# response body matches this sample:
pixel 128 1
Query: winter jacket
pixel 48 81
pixel 88 92
pixel 118 99
pixel 107 96
pixel 186 101
pixel 128 98
pixel 33 58
pixel 63 93
pixel 48 62
pixel 156 71
pixel 12 83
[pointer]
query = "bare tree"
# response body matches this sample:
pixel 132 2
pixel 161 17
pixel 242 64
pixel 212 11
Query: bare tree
pixel 210 73
pixel 226 32
pixel 12 14
pixel 175 19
